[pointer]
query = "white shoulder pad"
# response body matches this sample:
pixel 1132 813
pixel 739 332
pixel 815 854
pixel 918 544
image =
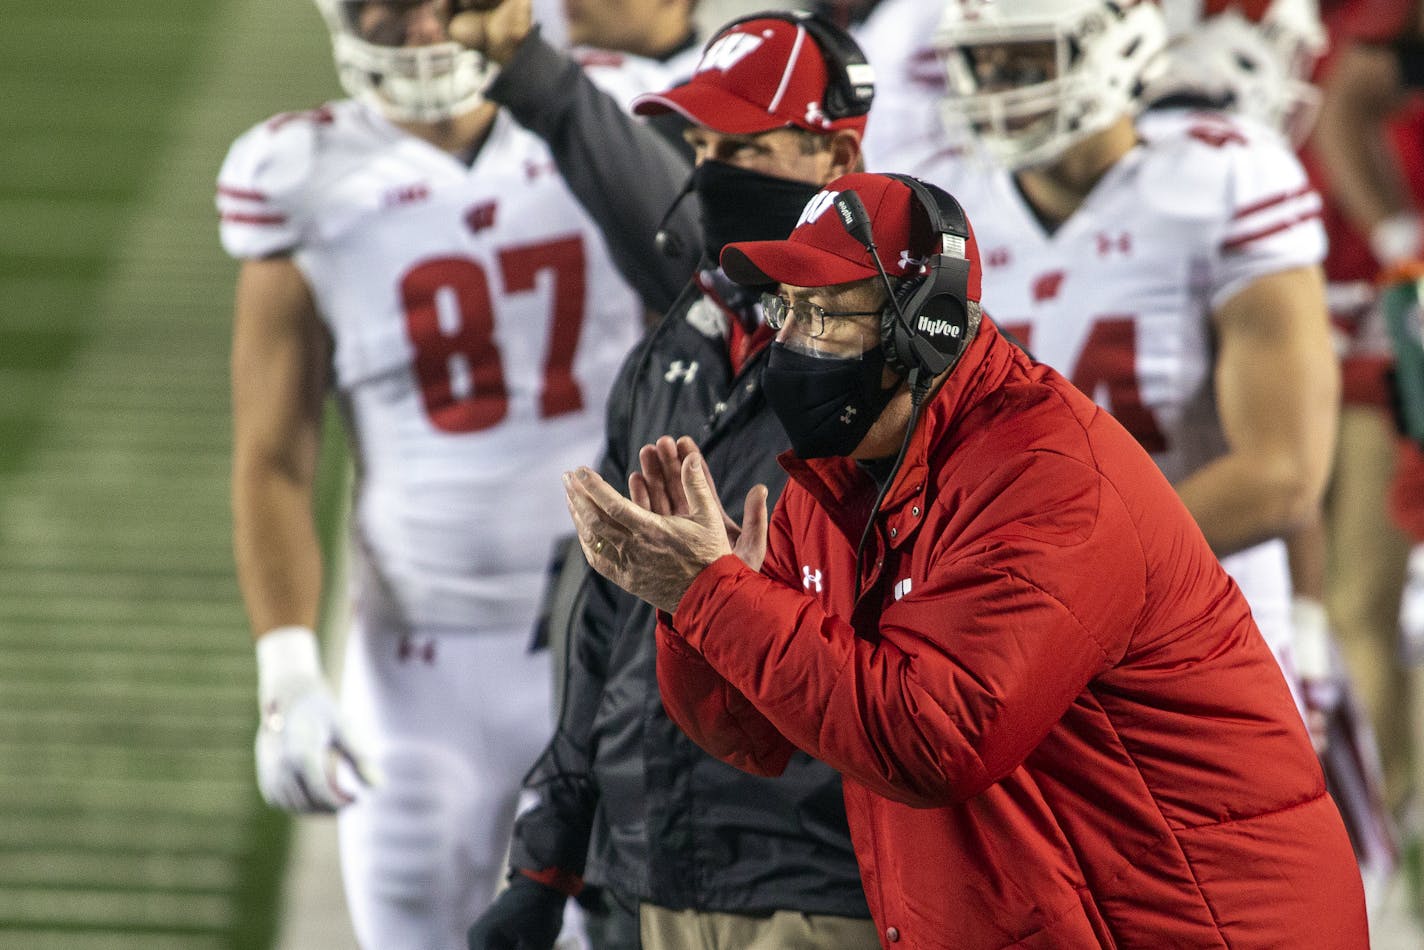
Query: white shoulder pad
pixel 263 180
pixel 1265 211
pixel 1230 168
pixel 1186 169
pixel 622 76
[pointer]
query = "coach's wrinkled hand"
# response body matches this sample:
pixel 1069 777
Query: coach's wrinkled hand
pixel 655 545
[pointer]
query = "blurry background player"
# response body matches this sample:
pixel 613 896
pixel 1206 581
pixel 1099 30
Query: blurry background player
pixel 1256 60
pixel 1369 146
pixel 415 251
pixel 1168 263
pixel 635 46
pixel 897 37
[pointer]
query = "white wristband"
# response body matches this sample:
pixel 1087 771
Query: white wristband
pixel 1396 238
pixel 284 652
pixel 1312 638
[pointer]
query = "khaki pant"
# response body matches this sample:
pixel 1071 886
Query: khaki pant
pixel 665 929
pixel 1365 575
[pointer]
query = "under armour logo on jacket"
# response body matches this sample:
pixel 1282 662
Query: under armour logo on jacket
pixel 902 587
pixel 810 578
pixel 679 370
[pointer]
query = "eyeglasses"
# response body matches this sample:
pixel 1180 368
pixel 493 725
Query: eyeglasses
pixel 810 319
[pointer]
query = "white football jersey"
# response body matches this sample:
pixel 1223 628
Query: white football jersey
pixel 478 324
pixel 625 77
pixel 1119 298
pixel 905 124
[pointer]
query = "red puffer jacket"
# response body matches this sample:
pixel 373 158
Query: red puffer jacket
pixel 1056 720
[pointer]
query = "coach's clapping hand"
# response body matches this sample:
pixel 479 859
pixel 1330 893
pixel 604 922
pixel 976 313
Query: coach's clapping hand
pixel 655 545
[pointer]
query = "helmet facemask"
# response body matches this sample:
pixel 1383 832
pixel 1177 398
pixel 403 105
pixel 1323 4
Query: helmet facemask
pixel 429 83
pixel 1032 77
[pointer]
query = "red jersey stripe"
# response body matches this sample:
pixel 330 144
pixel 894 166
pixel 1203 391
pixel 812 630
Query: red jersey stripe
pixel 244 194
pixel 234 217
pixel 1244 239
pixel 1265 203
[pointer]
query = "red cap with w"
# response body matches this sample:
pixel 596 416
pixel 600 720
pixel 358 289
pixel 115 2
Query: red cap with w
pixel 754 76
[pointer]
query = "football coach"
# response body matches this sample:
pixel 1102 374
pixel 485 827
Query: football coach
pixel 981 602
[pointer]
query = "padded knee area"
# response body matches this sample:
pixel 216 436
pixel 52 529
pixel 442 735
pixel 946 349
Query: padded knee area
pixel 412 849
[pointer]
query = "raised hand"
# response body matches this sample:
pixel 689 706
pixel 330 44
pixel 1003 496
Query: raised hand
pixel 658 488
pixel 655 547
pixel 492 27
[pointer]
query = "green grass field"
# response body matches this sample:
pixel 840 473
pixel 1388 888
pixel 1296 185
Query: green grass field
pixel 128 812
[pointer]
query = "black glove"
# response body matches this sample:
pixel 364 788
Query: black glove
pixel 526 915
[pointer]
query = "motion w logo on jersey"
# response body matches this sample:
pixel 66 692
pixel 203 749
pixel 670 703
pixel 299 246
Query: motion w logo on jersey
pixel 728 51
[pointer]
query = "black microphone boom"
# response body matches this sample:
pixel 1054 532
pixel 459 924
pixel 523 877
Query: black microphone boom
pixel 857 224
pixel 668 243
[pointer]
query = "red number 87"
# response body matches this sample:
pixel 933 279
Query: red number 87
pixel 468 353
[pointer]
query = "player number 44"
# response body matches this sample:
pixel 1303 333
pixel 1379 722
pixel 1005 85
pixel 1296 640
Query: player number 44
pixel 1107 366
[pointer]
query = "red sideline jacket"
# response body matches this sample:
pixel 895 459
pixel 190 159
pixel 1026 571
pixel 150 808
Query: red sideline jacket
pixel 1057 722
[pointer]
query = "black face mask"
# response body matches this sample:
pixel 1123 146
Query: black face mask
pixel 741 205
pixel 825 404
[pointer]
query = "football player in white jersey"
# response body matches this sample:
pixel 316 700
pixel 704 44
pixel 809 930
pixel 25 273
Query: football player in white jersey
pixel 897 37
pixel 414 251
pixel 1168 264
pixel 1256 61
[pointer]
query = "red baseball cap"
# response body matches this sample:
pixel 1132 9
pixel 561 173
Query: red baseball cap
pixel 821 252
pixel 754 76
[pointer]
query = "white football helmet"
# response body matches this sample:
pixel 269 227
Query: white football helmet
pixel 407 83
pixel 1259 68
pixel 1102 53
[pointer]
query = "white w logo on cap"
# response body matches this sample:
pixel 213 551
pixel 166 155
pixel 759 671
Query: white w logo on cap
pixel 816 207
pixel 728 51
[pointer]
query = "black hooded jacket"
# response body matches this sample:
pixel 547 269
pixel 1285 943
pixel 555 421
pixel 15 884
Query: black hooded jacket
pixel 623 797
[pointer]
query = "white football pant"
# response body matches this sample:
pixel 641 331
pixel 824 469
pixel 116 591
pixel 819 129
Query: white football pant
pixel 453 721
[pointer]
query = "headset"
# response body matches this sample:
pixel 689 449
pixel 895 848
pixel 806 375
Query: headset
pixel 850 80
pixel 850 87
pixel 925 327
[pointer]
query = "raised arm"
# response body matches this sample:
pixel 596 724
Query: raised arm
pixel 625 174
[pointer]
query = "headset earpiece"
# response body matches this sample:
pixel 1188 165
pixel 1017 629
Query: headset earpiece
pixel 850 84
pixel 894 334
pixel 929 328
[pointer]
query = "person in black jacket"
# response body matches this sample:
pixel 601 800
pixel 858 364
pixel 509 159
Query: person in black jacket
pixel 687 851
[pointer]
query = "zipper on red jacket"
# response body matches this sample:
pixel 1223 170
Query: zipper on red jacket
pixel 865 614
